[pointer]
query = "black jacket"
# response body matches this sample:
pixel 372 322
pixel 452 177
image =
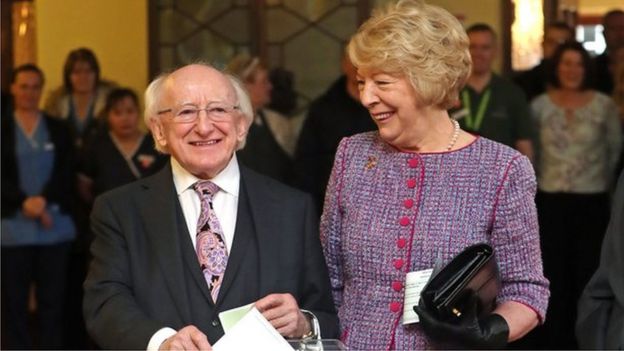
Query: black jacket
pixel 145 275
pixel 331 117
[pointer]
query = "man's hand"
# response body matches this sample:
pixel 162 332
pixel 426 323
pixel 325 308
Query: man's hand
pixel 282 311
pixel 187 338
pixel 34 206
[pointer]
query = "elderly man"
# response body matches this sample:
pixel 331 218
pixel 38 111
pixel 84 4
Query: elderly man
pixel 204 235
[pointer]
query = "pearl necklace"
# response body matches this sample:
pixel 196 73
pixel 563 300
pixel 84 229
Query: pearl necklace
pixel 456 130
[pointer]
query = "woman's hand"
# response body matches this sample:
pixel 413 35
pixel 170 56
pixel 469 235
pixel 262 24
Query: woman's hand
pixel 490 332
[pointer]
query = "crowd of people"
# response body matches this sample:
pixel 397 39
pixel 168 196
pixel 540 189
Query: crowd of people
pixel 417 151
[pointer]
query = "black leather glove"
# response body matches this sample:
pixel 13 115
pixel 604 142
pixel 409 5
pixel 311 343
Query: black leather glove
pixel 490 332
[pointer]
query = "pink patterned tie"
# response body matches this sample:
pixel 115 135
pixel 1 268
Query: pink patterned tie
pixel 210 246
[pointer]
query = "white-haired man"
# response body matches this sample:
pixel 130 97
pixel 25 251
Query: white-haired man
pixel 204 235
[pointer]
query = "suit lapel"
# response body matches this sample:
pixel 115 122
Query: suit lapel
pixel 158 208
pixel 265 215
pixel 243 234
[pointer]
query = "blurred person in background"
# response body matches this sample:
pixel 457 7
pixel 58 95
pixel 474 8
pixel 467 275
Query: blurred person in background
pixel 336 114
pixel 578 144
pixel 490 105
pixel 613 32
pixel 37 229
pixel 600 322
pixel 82 97
pixel 533 81
pixel 123 154
pixel 618 97
pixel 271 139
pixel 80 102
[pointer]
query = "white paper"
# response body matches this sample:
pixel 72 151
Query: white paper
pixel 229 318
pixel 414 283
pixel 252 332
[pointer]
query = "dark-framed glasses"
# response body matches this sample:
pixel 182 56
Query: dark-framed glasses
pixel 188 113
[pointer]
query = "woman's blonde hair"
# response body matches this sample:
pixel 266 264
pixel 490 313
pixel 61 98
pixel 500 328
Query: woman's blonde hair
pixel 422 42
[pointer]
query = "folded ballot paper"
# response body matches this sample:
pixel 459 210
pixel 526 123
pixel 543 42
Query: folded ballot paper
pixel 247 329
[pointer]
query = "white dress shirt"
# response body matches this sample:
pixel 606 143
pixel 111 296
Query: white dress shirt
pixel 224 203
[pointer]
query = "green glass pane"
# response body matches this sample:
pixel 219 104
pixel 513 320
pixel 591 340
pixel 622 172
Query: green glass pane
pixel 342 23
pixel 204 10
pixel 205 46
pixel 164 3
pixel 234 25
pixel 274 56
pixel 173 26
pixel 314 58
pixel 167 59
pixel 311 9
pixel 281 24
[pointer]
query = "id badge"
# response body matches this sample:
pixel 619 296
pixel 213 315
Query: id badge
pixel 414 283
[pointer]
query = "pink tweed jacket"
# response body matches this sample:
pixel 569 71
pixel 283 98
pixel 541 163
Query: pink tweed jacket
pixel 389 212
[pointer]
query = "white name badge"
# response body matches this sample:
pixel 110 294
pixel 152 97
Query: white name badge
pixel 414 283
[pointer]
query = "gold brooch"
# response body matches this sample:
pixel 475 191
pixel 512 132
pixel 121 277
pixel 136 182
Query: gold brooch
pixel 372 162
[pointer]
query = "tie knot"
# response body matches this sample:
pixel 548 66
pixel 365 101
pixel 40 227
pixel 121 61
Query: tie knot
pixel 206 188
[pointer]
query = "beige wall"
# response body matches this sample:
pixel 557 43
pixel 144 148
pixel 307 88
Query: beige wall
pixel 116 30
pixel 598 7
pixel 470 12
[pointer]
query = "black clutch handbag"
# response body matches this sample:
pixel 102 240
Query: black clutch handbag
pixel 474 270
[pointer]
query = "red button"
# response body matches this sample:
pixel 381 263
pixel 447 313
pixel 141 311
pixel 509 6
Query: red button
pixel 397 286
pixel 395 306
pixel 411 183
pixel 404 221
pixel 408 203
pixel 401 243
pixel 413 162
pixel 398 263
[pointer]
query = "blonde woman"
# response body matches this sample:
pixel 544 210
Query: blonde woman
pixel 419 190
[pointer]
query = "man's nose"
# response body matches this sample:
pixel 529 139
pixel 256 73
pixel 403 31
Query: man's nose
pixel 203 124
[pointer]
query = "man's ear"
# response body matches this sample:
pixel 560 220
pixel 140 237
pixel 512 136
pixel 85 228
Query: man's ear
pixel 242 127
pixel 158 132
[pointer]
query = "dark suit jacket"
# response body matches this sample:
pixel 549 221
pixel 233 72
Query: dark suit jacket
pixel 600 320
pixel 145 275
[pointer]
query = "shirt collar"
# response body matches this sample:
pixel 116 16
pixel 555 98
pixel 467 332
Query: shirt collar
pixel 228 179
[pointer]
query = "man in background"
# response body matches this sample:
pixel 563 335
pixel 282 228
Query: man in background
pixel 490 105
pixel 336 114
pixel 533 81
pixel 613 23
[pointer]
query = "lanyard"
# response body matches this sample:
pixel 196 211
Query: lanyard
pixel 475 123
